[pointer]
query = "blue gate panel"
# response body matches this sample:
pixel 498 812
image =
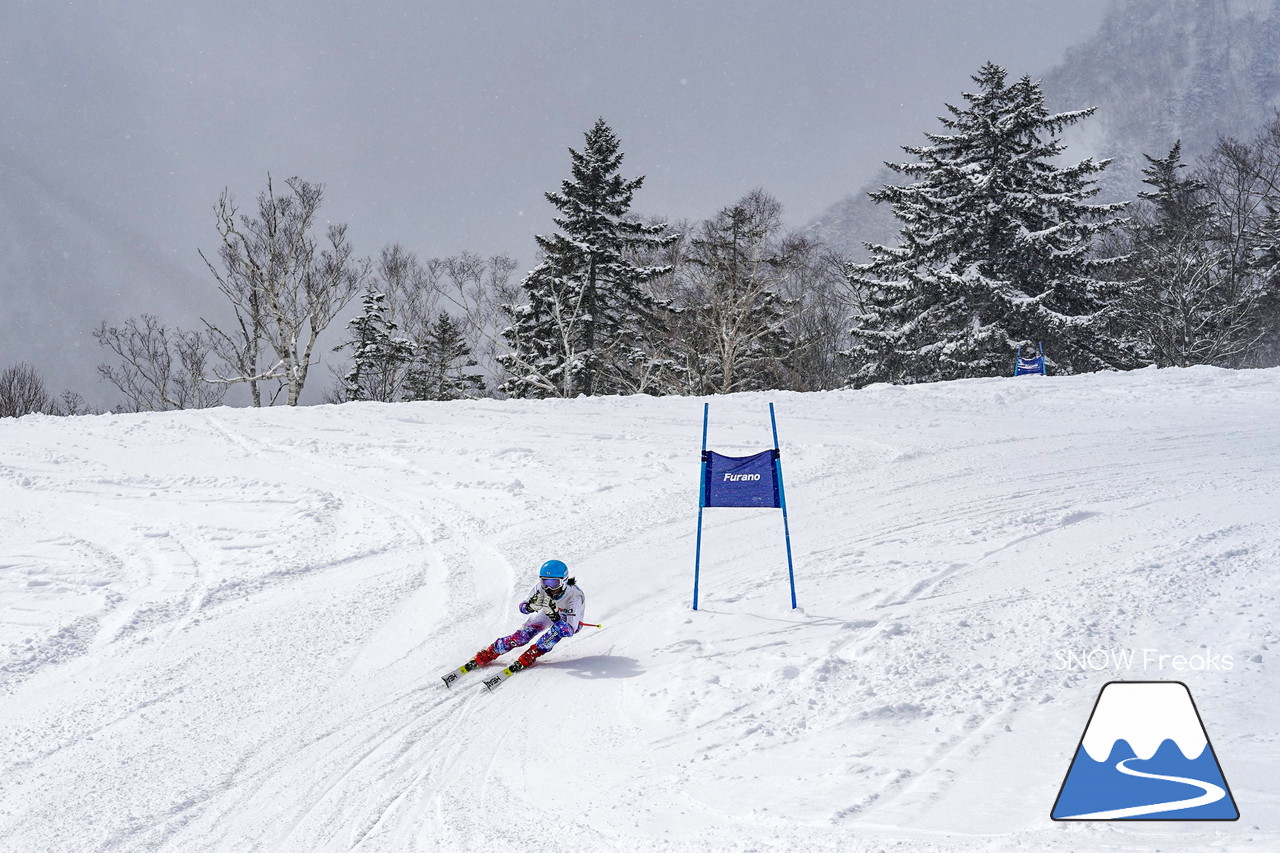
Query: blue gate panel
pixel 741 480
pixel 1029 365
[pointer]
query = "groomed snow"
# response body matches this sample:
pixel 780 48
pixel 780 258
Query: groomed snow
pixel 224 630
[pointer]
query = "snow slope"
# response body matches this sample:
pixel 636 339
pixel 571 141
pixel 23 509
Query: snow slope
pixel 223 630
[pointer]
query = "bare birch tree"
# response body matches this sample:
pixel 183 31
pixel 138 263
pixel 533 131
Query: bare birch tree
pixel 159 368
pixel 284 288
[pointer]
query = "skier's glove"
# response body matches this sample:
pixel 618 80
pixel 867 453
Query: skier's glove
pixel 524 607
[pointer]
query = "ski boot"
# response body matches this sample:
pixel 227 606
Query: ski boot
pixel 482 657
pixel 526 660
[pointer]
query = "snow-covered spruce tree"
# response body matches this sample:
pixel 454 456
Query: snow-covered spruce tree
pixel 733 332
pixel 376 353
pixel 994 248
pixel 443 368
pixel 1171 306
pixel 589 313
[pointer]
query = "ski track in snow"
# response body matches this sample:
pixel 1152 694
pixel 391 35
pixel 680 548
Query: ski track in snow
pixel 224 630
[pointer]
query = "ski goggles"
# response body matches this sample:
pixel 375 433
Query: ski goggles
pixel 552 583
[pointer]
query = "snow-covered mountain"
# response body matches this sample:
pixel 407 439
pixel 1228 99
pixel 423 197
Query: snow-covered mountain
pixel 224 630
pixel 1161 72
pixel 1156 71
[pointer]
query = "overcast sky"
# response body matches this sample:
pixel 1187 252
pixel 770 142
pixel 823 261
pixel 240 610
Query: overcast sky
pixel 440 125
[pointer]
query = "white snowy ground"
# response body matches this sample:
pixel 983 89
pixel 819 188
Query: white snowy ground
pixel 224 630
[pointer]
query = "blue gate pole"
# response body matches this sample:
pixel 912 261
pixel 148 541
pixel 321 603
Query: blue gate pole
pixel 702 502
pixel 782 499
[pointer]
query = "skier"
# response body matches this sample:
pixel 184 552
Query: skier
pixel 555 604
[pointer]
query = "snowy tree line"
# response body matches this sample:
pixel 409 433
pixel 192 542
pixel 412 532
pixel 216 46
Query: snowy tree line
pixel 1000 245
pixel 1200 259
pixel 615 305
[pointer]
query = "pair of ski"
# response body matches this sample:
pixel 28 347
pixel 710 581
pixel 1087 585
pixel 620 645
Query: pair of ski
pixel 494 680
pixel 491 682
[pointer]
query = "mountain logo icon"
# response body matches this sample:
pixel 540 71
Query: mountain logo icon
pixel 1145 755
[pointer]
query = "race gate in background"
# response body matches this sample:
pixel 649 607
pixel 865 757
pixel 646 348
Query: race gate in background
pixel 742 481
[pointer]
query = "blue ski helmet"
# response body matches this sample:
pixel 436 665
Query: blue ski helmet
pixel 552 578
pixel 553 569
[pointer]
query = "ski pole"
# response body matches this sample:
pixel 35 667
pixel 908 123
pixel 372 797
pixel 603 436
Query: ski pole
pixel 589 625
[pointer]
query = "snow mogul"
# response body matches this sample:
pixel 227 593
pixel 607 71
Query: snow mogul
pixel 555 606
